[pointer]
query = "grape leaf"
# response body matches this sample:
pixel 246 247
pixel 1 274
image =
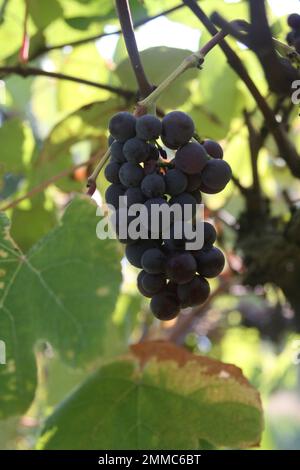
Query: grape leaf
pixel 153 58
pixel 63 291
pixel 158 397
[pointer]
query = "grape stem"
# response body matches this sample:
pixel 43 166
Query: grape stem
pixel 194 60
pixel 91 182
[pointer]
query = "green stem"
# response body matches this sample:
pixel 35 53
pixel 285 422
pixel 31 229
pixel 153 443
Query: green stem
pixel 194 60
pixel 92 179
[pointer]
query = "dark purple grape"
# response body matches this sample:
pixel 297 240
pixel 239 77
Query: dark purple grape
pixel 188 205
pixel 194 182
pixel 194 292
pixel 153 185
pixel 177 129
pixel 112 194
pixel 213 148
pixel 216 175
pixel 294 21
pixel 165 306
pixel 191 158
pixel 135 251
pixel 130 174
pixel 153 283
pixel 140 285
pixel 210 263
pixel 176 182
pixel 136 150
pixel 122 126
pixel 134 196
pixel 148 127
pixel 153 205
pixel 210 234
pixel 181 267
pixel 111 172
pixel 153 261
pixel 116 151
pixel 290 38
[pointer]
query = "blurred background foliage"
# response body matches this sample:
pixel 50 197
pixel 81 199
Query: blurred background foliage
pixel 53 131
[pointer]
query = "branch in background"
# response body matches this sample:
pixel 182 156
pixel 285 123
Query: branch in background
pixel 255 146
pixel 25 71
pixel 279 74
pixel 287 150
pixel 79 42
pixel 125 19
pixel 42 186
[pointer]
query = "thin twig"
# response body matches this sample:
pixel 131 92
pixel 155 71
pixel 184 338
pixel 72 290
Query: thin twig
pixel 46 183
pixel 26 71
pixel 79 42
pixel 124 15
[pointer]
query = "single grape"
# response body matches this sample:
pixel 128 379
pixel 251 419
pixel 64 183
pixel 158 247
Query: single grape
pixel 116 151
pixel 165 306
pixel 153 185
pixel 194 182
pixel 210 263
pixel 135 251
pixel 136 150
pixel 112 194
pixel 181 267
pixel 156 223
pixel 153 283
pixel 216 175
pixel 134 196
pixel 210 234
pixel 188 205
pixel 213 148
pixel 290 38
pixel 130 174
pixel 177 129
pixel 140 285
pixel 122 126
pixel 294 21
pixel 148 127
pixel 194 292
pixel 111 172
pixel 191 158
pixel 153 261
pixel 176 182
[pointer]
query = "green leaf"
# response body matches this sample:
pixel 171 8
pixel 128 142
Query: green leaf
pixel 158 397
pixel 217 99
pixel 153 59
pixel 44 14
pixel 83 62
pixel 29 224
pixel 64 291
pixel 17 144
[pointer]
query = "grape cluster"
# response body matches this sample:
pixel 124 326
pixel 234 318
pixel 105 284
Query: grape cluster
pixel 170 275
pixel 293 37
